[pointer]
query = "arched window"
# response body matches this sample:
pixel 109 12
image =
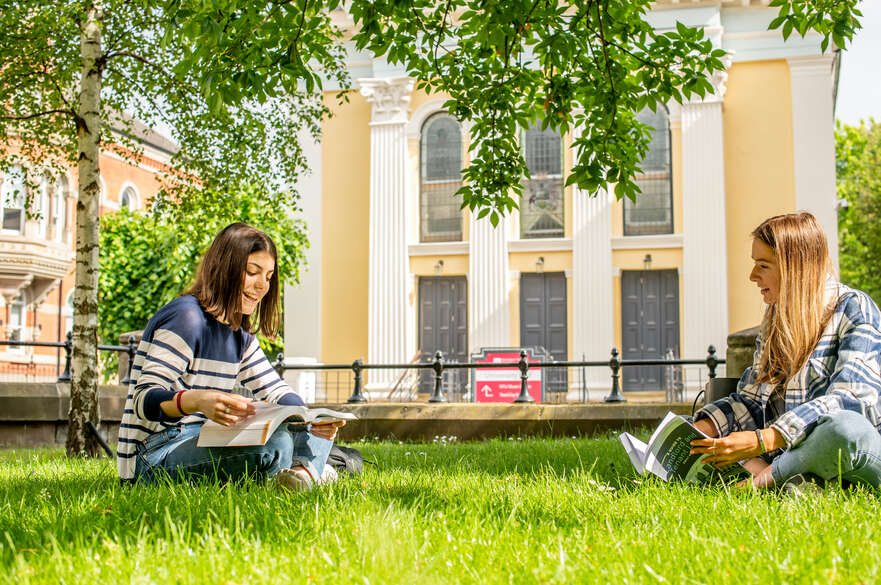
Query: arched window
pixel 653 211
pixel 541 204
pixel 58 214
pixel 440 148
pixel 128 199
pixel 12 194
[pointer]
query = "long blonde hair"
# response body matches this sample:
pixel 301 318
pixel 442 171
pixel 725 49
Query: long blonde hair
pixel 793 325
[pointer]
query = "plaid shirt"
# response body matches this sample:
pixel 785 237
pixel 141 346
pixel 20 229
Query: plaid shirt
pixel 843 373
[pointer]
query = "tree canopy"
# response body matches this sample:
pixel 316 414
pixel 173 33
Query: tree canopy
pixel 504 63
pixel 858 161
pixel 70 70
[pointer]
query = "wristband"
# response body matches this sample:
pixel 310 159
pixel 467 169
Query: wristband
pixel 761 441
pixel 177 402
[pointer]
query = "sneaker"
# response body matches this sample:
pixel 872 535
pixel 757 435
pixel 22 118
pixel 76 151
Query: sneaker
pixel 294 479
pixel 803 485
pixel 329 475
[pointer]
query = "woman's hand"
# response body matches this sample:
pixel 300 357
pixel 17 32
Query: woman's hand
pixel 736 446
pixel 222 407
pixel 326 430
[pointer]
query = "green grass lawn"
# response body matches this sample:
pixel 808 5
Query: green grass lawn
pixel 530 511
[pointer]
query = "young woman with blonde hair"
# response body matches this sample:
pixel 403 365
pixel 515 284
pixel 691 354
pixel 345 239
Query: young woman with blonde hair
pixel 809 405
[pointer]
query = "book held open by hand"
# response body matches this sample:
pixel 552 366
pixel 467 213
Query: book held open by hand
pixel 667 454
pixel 257 428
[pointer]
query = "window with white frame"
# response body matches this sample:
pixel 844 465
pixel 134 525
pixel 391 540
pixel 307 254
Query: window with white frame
pixel 12 194
pixel 541 203
pixel 652 213
pixel 128 199
pixel 67 311
pixel 440 156
pixel 57 215
pixel 16 325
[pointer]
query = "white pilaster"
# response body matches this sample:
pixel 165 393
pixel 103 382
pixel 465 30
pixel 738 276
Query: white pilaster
pixel 488 285
pixel 593 305
pixel 388 327
pixel 704 271
pixel 813 139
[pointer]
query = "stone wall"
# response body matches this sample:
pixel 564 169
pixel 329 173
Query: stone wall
pixel 741 347
pixel 34 415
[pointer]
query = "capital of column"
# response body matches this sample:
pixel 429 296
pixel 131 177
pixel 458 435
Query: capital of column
pixel 718 81
pixel 808 65
pixel 390 97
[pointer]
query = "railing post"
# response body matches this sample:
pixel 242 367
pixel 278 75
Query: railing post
pixel 615 364
pixel 524 376
pixel 712 361
pixel 131 360
pixel 438 367
pixel 357 394
pixel 279 364
pixel 68 344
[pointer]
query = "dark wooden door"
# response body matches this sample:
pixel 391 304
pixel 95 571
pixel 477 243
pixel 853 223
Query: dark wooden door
pixel 543 322
pixel 443 318
pixel 650 324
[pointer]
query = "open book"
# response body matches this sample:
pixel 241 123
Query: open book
pixel 667 454
pixel 257 428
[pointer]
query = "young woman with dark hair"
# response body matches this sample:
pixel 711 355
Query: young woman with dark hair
pixel 192 354
pixel 809 405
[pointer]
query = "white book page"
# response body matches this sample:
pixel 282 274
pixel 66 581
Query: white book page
pixel 636 450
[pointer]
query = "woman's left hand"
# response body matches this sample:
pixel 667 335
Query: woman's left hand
pixel 326 430
pixel 736 446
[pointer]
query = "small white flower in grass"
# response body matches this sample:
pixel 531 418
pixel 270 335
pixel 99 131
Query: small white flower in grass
pixel 601 487
pixel 406 454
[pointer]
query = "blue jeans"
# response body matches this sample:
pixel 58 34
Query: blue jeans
pixel 173 452
pixel 843 445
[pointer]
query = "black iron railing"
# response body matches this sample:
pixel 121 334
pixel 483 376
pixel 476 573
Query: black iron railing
pixel 438 365
pixel 67 345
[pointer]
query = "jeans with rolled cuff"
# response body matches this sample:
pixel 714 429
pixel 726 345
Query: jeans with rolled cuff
pixel 173 453
pixel 844 445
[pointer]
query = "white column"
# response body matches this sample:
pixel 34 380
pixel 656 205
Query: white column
pixel 813 140
pixel 593 305
pixel 388 325
pixel 302 302
pixel 488 285
pixel 704 271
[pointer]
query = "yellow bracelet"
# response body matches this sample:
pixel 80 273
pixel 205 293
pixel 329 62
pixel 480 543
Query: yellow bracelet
pixel 761 441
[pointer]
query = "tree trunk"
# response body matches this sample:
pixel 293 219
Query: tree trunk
pixel 84 358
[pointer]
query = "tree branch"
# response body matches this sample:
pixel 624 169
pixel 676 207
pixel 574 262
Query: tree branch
pixel 38 114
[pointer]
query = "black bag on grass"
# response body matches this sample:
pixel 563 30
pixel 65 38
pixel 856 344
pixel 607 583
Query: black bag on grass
pixel 346 459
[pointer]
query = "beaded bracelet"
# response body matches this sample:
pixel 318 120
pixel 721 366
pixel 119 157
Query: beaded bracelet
pixel 761 441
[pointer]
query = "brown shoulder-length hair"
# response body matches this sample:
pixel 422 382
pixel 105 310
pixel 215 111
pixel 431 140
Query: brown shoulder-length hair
pixel 220 280
pixel 793 325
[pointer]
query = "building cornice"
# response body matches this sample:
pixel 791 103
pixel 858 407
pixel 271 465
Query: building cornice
pixel 647 242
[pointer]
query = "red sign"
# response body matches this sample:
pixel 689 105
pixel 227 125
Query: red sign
pixel 503 384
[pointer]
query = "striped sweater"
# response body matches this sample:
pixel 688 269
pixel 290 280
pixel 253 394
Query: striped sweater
pixel 185 348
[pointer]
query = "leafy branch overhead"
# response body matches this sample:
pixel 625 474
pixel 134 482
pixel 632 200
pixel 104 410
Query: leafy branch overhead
pixel 505 64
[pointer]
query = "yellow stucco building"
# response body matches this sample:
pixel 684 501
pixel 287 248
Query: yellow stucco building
pixel 396 271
